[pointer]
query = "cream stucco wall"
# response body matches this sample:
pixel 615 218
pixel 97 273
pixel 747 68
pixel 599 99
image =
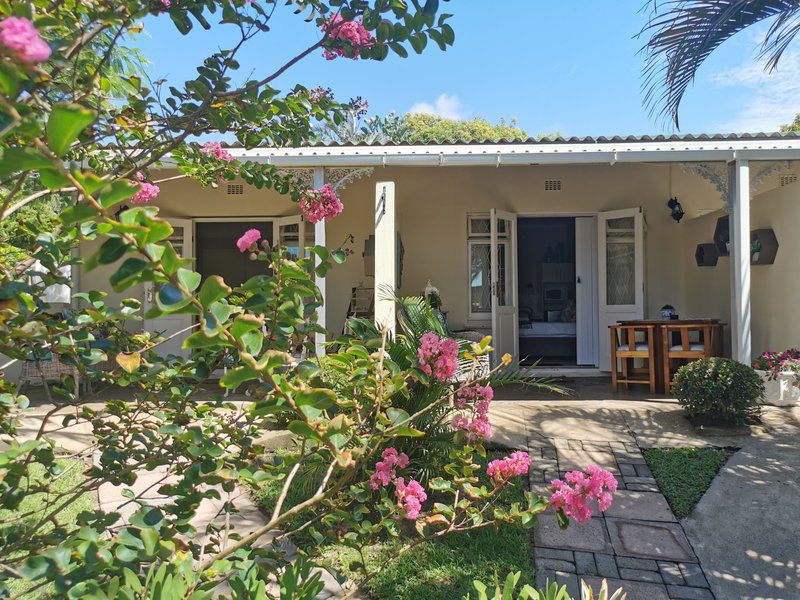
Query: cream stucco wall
pixel 433 203
pixel 775 289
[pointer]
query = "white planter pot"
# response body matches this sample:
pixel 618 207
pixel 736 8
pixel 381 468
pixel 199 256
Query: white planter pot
pixel 781 391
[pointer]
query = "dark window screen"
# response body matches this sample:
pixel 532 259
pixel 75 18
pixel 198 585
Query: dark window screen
pixel 217 253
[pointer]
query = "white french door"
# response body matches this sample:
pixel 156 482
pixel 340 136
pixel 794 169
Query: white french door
pixel 620 253
pixel 503 255
pixel 586 291
pixel 182 239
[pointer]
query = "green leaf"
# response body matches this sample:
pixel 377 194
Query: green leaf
pixel 236 377
pixel 117 191
pixel 189 279
pixel 9 80
pixel 78 213
pixel 65 124
pixel 150 540
pixel 128 273
pixel 214 288
pixel 53 179
pixel 22 159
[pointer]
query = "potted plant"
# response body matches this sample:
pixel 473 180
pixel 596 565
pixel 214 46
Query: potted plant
pixel 779 370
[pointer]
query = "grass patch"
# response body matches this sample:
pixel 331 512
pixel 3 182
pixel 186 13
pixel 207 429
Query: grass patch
pixel 436 570
pixel 67 518
pixel 684 474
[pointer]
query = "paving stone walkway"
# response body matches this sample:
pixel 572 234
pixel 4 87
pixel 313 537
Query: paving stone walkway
pixel 637 544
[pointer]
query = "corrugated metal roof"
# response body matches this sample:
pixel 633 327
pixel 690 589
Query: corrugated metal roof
pixel 689 137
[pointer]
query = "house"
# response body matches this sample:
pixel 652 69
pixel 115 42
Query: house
pixel 542 243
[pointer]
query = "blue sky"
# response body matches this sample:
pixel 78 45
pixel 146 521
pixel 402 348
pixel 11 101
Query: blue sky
pixel 568 66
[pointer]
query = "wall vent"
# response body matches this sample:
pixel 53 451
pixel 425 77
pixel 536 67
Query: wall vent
pixel 552 185
pixel 235 189
pixel 788 179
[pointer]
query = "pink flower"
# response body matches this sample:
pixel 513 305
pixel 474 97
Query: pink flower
pixel 411 497
pixel 215 150
pixel 249 238
pixel 321 204
pixel 501 470
pixel 146 192
pixel 477 399
pixel 342 33
pixel 20 39
pixel 386 469
pixel 166 3
pixel 438 357
pixel 574 494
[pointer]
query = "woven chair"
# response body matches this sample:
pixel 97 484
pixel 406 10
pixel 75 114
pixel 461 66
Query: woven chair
pixel 38 371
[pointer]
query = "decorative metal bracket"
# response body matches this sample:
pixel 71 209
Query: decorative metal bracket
pixel 717 175
pixel 341 177
pixel 304 177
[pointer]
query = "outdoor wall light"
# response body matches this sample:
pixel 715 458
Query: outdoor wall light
pixel 676 208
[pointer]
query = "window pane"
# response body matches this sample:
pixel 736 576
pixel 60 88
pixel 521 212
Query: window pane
pixel 620 261
pixel 480 278
pixel 502 250
pixel 479 226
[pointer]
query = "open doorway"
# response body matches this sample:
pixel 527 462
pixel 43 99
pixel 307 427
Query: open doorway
pixel 547 291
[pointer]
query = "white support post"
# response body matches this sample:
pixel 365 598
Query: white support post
pixel 385 256
pixel 320 240
pixel 739 225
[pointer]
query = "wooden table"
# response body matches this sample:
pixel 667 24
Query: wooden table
pixel 659 340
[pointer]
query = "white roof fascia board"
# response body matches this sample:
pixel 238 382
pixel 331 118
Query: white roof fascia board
pixel 523 154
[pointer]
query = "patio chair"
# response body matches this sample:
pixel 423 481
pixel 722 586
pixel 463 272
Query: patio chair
pixel 48 367
pixel 628 343
pixel 694 341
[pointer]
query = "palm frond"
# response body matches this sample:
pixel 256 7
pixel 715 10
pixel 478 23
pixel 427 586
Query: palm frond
pixel 683 33
pixel 526 377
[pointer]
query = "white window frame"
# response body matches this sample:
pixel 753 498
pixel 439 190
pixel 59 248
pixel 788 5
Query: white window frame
pixel 473 239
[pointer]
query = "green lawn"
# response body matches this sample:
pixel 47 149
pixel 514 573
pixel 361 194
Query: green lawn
pixel 684 474
pixel 437 570
pixel 71 476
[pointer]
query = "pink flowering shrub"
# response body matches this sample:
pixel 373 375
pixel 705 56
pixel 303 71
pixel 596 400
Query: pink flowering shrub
pixel 410 496
pixel 576 491
pixel 215 150
pixel 20 40
pixel 249 238
pixel 501 470
pixel 146 192
pixel 321 204
pixel 476 399
pixel 386 469
pixel 775 363
pixel 342 33
pixel 438 356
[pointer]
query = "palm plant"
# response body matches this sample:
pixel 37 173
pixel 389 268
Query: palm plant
pixel 683 33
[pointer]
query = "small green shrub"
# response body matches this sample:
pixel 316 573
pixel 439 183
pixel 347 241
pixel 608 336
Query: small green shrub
pixel 718 389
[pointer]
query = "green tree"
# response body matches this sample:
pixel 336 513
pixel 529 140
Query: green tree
pixel 62 137
pixel 428 128
pixel 682 34
pixel 793 126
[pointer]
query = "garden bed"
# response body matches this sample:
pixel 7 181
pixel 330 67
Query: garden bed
pixel 684 474
pixel 435 570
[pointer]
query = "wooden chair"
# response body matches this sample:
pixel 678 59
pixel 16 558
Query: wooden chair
pixel 694 341
pixel 629 342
